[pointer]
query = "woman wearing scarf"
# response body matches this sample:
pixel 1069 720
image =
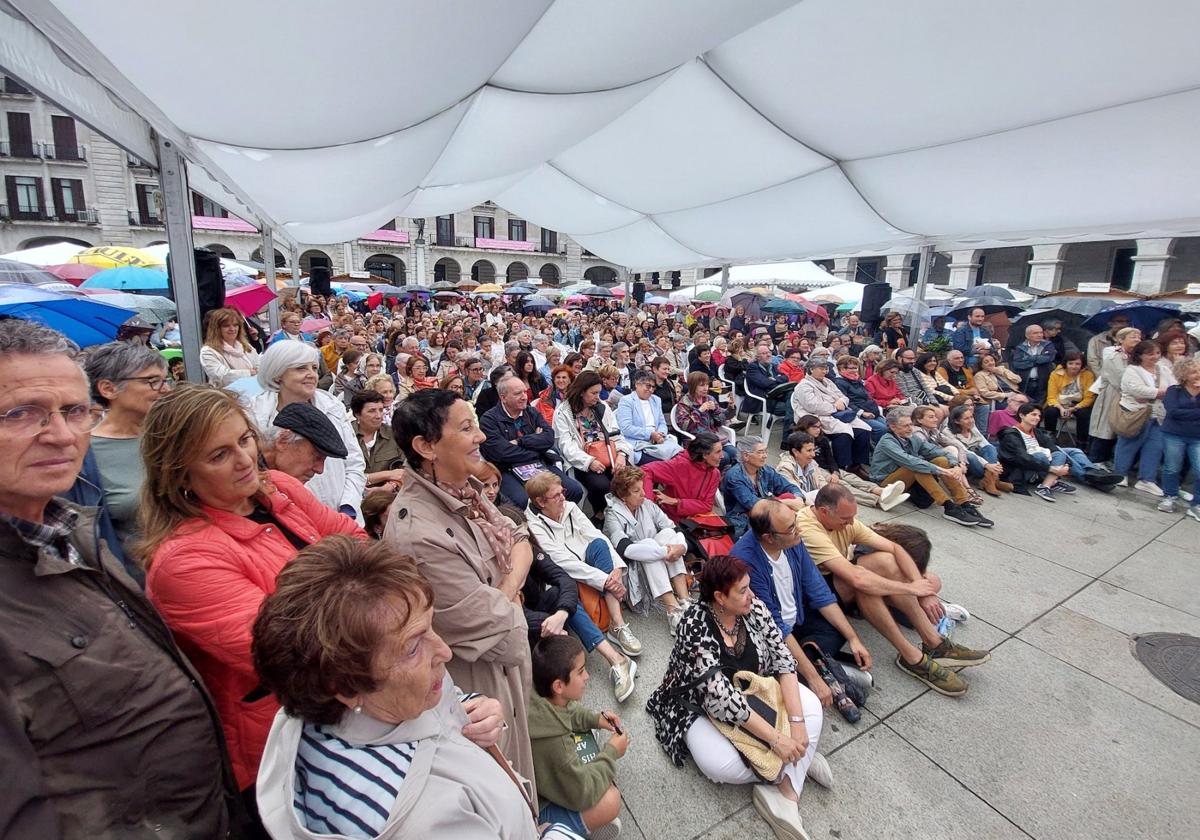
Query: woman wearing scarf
pixel 475 559
pixel 227 354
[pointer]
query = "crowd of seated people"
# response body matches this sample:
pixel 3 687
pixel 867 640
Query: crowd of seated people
pixel 486 496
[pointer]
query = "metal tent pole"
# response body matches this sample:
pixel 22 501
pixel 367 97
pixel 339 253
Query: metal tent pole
pixel 181 258
pixel 268 250
pixel 923 267
pixel 724 279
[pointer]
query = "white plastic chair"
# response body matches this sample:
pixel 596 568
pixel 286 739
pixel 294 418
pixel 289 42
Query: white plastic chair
pixel 686 436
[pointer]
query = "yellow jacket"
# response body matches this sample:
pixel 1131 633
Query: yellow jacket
pixel 1059 378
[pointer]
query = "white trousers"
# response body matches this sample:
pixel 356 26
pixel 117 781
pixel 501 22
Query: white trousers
pixel 721 763
pixel 660 572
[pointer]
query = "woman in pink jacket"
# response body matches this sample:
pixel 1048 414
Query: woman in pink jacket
pixel 216 531
pixel 689 480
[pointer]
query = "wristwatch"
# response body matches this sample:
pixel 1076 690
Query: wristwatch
pixel 796 718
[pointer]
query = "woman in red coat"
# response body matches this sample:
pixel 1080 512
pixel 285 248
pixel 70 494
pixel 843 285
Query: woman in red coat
pixel 689 480
pixel 215 533
pixel 882 387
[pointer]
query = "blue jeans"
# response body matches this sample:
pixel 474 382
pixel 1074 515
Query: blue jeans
pixel 976 461
pixel 1057 459
pixel 1175 449
pixel 1148 444
pixel 563 816
pixel 1078 461
pixel 878 428
pixel 585 628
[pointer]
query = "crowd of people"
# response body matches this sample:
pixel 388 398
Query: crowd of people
pixel 349 585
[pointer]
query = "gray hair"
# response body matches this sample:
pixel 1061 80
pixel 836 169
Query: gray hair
pixel 511 346
pixel 273 437
pixel 619 346
pixel 897 414
pixel 1031 328
pixel 29 338
pixel 816 361
pixel 502 386
pixel 640 376
pixel 282 356
pixel 116 361
pixel 746 444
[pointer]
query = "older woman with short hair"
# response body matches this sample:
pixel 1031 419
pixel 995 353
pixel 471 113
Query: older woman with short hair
pixel 1144 382
pixel 475 559
pixel 226 354
pixel 215 532
pixel 1181 437
pixel 752 480
pixel 374 738
pixel 288 374
pixel 730 630
pixel 126 380
pixel 818 394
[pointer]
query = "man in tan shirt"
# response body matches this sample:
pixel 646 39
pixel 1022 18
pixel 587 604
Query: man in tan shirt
pixel 877 580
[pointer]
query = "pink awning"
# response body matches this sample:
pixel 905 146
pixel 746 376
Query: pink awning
pixel 504 244
pixel 230 223
pixel 400 236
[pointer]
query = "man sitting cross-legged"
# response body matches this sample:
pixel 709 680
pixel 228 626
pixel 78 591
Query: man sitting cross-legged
pixel 784 577
pixel 876 573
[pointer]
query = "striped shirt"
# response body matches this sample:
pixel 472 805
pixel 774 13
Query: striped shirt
pixel 349 789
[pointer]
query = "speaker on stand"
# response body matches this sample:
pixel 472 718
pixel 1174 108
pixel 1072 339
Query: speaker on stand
pixel 639 292
pixel 874 299
pixel 318 281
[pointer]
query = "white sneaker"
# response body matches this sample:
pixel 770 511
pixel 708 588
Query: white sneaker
pixel 1148 487
pixel 608 831
pixel 1186 496
pixel 781 813
pixel 1124 482
pixel 956 612
pixel 1167 505
pixel 622 677
pixel 892 495
pixel 820 771
pixel 623 638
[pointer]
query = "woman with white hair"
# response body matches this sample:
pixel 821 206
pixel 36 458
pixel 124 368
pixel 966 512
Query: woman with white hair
pixel 851 436
pixel 288 374
pixel 750 481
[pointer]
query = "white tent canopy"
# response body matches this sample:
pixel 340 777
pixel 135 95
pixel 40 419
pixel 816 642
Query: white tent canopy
pixel 802 273
pixel 829 127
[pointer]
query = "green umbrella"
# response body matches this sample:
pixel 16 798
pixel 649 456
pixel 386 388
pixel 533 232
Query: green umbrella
pixel 849 306
pixel 709 296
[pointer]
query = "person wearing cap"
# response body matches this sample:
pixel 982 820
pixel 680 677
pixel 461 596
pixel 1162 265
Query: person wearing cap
pixel 288 374
pixel 299 440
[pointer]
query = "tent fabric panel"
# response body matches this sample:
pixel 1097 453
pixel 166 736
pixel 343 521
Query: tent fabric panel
pixel 548 193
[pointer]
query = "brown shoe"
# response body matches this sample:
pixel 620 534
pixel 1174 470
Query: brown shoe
pixel 1004 486
pixel 989 484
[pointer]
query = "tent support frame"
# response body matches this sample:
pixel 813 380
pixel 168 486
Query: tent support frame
pixel 268 251
pixel 181 260
pixel 926 262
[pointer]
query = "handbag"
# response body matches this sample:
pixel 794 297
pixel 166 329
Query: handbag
pixel 765 698
pixel 602 451
pixel 594 605
pixel 1126 423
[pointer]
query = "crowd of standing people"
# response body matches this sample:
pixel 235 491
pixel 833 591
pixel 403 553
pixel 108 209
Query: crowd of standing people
pixel 350 585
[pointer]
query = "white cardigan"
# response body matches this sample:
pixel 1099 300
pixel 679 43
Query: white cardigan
pixel 570 444
pixel 819 397
pixel 217 365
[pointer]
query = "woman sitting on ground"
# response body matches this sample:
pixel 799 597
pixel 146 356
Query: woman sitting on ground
pixel 216 531
pixel 982 460
pixel 729 631
pixel 651 545
pixel 689 481
pixel 1031 457
pixel 697 411
pixel 861 487
pixel 926 426
pixel 799 466
pixel 751 481
pixel 374 738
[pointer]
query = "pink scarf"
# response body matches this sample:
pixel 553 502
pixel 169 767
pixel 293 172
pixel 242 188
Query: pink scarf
pixel 495 527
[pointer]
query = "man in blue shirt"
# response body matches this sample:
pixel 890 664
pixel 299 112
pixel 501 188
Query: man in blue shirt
pixel 975 335
pixel 784 577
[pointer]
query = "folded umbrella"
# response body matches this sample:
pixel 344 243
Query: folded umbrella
pixel 83 320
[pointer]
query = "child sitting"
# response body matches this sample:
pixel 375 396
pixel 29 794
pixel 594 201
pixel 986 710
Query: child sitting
pixel 574 774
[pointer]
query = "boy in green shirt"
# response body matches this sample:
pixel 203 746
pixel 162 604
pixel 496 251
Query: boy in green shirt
pixel 574 774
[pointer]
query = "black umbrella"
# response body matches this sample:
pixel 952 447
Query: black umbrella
pixel 1082 306
pixel 1071 321
pixel 519 291
pixel 990 305
pixel 987 290
pixel 596 291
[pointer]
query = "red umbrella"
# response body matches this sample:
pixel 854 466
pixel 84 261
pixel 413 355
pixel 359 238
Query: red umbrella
pixel 374 299
pixel 74 273
pixel 705 309
pixel 249 299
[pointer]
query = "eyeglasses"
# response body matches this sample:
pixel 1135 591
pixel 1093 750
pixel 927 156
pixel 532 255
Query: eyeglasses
pixel 29 420
pixel 155 383
pixel 790 532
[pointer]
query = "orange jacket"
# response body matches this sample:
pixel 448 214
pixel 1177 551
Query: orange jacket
pixel 208 582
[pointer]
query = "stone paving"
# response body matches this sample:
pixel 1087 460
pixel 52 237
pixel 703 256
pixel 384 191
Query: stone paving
pixel 1062 735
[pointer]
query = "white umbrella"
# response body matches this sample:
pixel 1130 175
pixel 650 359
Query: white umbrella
pixel 227 266
pixel 54 254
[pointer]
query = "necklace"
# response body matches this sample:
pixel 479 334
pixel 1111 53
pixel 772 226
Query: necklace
pixel 730 631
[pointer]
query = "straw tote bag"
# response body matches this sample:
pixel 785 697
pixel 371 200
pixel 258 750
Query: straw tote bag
pixel 766 700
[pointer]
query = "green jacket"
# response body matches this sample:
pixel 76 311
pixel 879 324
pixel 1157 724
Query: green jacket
pixel 561 777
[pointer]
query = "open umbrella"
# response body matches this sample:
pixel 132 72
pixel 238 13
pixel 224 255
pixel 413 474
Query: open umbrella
pixel 617 292
pixel 534 302
pixel 111 256
pixel 1142 314
pixel 576 300
pixel 237 281
pixel 415 289
pixel 810 307
pixel 558 311
pixel 489 289
pixel 487 296
pixel 519 291
pixel 81 319
pixel 779 306
pixel 596 291
pixel 128 277
pixel 709 295
pixel 988 290
pixel 314 325
pixel 1084 307
pixel 154 308
pixel 74 273
pixel 657 300
pixel 448 294
pixel 12 271
pixel 990 305
pixel 908 307
pixel 705 309
pixel 444 286
pixel 249 299
pixel 55 253
pixel 1071 322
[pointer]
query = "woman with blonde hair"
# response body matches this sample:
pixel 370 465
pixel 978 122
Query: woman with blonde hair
pixel 227 354
pixel 215 532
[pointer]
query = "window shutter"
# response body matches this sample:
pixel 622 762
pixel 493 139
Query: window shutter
pixel 10 189
pixel 41 198
pixel 20 134
pixel 66 144
pixel 76 187
pixel 143 203
pixel 56 189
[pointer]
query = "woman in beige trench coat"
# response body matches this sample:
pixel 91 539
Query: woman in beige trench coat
pixel 472 556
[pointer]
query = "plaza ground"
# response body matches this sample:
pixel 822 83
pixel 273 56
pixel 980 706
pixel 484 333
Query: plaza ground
pixel 1064 734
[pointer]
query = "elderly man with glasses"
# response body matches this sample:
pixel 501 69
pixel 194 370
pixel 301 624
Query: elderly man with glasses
pixel 105 728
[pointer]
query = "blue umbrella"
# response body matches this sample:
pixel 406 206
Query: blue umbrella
pixel 86 321
pixel 127 278
pixel 780 306
pixel 1142 314
pixel 537 302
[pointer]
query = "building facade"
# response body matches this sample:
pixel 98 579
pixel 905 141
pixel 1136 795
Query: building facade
pixel 64 183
